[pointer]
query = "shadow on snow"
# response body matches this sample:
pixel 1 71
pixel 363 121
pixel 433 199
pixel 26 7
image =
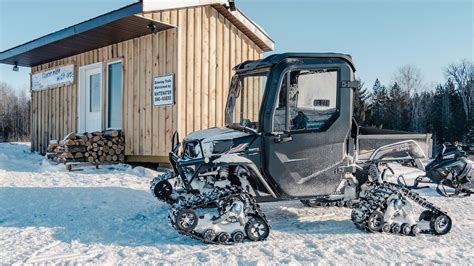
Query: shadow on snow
pixel 123 216
pixel 106 215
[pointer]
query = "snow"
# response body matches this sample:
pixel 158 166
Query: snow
pixel 107 216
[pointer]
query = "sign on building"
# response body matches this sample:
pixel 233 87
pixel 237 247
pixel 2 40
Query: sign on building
pixel 52 77
pixel 163 90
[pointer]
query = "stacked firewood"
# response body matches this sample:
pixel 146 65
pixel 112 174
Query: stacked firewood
pixel 96 147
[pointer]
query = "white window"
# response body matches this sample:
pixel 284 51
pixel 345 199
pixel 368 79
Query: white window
pixel 310 103
pixel 314 99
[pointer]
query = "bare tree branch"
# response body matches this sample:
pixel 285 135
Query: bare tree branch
pixel 462 73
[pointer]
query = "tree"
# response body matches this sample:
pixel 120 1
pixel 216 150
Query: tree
pixel 448 117
pixel 421 107
pixel 378 104
pixel 462 73
pixel 14 114
pixel 360 103
pixel 398 115
pixel 409 78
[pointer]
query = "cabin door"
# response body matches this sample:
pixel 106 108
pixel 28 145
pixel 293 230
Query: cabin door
pixel 90 100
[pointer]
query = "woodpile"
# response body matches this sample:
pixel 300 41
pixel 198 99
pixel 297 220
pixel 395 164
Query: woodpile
pixel 96 147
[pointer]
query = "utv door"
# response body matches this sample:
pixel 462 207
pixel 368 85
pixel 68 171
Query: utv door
pixel 310 122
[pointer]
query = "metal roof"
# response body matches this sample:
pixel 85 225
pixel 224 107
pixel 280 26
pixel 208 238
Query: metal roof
pixel 116 26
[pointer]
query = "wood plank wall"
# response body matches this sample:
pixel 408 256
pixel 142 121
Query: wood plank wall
pixel 55 112
pixel 201 52
pixel 209 47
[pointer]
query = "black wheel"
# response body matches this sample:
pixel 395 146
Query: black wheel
pixel 311 203
pixel 257 229
pixel 426 215
pixel 415 230
pixel 406 229
pixel 340 203
pixel 238 236
pixel 209 235
pixel 223 237
pixel 440 224
pixel 375 222
pixel 396 228
pixel 386 227
pixel 186 220
pixel 163 190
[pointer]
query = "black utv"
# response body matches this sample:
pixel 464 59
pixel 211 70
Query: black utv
pixel 287 136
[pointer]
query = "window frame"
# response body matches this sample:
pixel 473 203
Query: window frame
pixel 261 72
pixel 82 99
pixel 287 73
pixel 107 92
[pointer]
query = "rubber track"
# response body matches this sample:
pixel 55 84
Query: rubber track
pixel 165 176
pixel 335 203
pixel 208 200
pixel 379 195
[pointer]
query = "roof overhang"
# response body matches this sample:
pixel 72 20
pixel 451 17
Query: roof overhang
pixel 154 5
pixel 248 27
pixel 117 26
pixel 113 27
pixel 237 17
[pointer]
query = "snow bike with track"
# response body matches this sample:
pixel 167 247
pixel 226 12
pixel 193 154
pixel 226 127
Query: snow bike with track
pixel 287 137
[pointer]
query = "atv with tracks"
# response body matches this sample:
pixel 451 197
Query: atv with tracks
pixel 288 136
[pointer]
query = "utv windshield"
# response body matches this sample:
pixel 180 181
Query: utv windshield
pixel 244 100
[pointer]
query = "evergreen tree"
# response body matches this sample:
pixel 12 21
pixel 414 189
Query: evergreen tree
pixel 437 115
pixel 457 126
pixel 425 106
pixel 448 117
pixel 398 112
pixel 378 104
pixel 360 104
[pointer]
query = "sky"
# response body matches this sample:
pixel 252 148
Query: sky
pixel 381 35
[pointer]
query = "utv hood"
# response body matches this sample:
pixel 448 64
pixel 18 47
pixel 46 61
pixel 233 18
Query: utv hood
pixel 215 134
pixel 214 141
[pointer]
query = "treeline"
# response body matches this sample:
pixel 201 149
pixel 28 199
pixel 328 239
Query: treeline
pixel 14 114
pixel 410 105
pixel 406 104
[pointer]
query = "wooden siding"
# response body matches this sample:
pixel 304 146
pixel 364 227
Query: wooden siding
pixel 209 47
pixel 55 112
pixel 201 52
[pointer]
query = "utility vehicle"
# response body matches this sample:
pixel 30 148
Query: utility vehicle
pixel 288 136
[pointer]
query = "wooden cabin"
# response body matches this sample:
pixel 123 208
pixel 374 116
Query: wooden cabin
pixel 149 68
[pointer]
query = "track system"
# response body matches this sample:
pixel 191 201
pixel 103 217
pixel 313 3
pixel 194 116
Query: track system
pixel 315 203
pixel 222 216
pixel 388 208
pixel 161 188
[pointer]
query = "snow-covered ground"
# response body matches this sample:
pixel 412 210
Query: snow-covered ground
pixel 107 216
